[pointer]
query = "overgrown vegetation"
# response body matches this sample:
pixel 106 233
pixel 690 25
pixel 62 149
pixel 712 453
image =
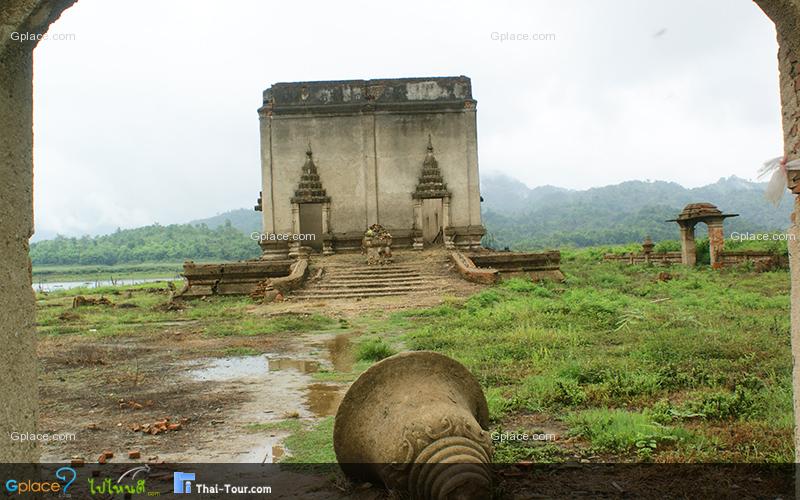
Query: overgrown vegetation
pixel 373 349
pixel 139 309
pixel 633 366
pixel 619 364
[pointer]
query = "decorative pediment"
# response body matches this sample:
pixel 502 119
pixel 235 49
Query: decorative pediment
pixel 310 189
pixel 431 183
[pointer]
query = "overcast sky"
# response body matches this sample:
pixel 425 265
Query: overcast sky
pixel 149 114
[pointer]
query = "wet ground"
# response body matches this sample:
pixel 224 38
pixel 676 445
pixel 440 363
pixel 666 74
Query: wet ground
pixel 175 386
pixel 113 385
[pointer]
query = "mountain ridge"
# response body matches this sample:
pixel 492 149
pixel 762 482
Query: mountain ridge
pixel 515 216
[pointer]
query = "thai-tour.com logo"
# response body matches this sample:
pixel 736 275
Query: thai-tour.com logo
pixel 182 482
pixel 65 476
pixel 186 483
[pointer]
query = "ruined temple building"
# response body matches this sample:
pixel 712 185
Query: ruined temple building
pixel 339 156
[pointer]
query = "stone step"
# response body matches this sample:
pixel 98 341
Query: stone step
pixel 347 295
pixel 364 279
pixel 380 279
pixel 329 286
pixel 399 288
pixel 376 268
pixel 357 273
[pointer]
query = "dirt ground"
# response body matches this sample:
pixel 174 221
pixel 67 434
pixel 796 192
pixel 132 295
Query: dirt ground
pixel 111 391
pixel 222 394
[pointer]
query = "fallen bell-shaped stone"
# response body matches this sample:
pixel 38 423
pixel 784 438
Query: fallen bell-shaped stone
pixel 416 422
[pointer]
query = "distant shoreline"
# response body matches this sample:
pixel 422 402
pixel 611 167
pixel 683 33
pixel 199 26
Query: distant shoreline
pixel 98 272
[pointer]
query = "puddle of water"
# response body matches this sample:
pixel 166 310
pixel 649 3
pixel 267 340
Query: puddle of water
pixel 280 386
pixel 234 368
pixel 301 365
pixel 340 353
pixel 323 399
pixel 240 367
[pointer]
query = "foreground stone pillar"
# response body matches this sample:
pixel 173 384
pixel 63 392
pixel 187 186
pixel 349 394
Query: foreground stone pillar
pixel 688 248
pixel 18 378
pixel 794 262
pixel 786 16
pixel 416 422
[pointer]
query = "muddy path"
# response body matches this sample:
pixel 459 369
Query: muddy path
pixel 106 391
pixel 221 380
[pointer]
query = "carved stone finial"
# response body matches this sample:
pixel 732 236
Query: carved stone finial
pixel 417 421
pixel 430 144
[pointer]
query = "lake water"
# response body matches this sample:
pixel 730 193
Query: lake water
pixel 66 285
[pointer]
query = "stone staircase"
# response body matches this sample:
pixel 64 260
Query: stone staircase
pixel 341 280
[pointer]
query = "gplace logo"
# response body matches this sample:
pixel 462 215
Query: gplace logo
pixel 66 475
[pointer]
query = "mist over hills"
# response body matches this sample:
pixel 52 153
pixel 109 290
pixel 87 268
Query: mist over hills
pixel 521 217
pixel 514 215
pixel 547 216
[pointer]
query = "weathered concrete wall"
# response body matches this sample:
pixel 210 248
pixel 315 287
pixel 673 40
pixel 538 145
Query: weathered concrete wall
pixel 337 144
pixel 18 377
pixel 786 16
pixel 401 142
pixel 369 139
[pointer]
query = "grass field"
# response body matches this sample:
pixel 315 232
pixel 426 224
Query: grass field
pixel 619 365
pixel 697 368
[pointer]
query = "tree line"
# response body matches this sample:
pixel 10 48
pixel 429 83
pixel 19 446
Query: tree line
pixel 155 243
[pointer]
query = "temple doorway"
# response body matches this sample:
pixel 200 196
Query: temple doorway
pixel 432 210
pixel 311 223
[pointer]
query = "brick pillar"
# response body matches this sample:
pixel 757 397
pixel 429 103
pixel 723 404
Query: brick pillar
pixel 688 249
pixel 716 242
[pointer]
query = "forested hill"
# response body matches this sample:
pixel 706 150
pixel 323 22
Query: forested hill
pixel 550 217
pixel 155 243
pixel 514 216
pixel 245 220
